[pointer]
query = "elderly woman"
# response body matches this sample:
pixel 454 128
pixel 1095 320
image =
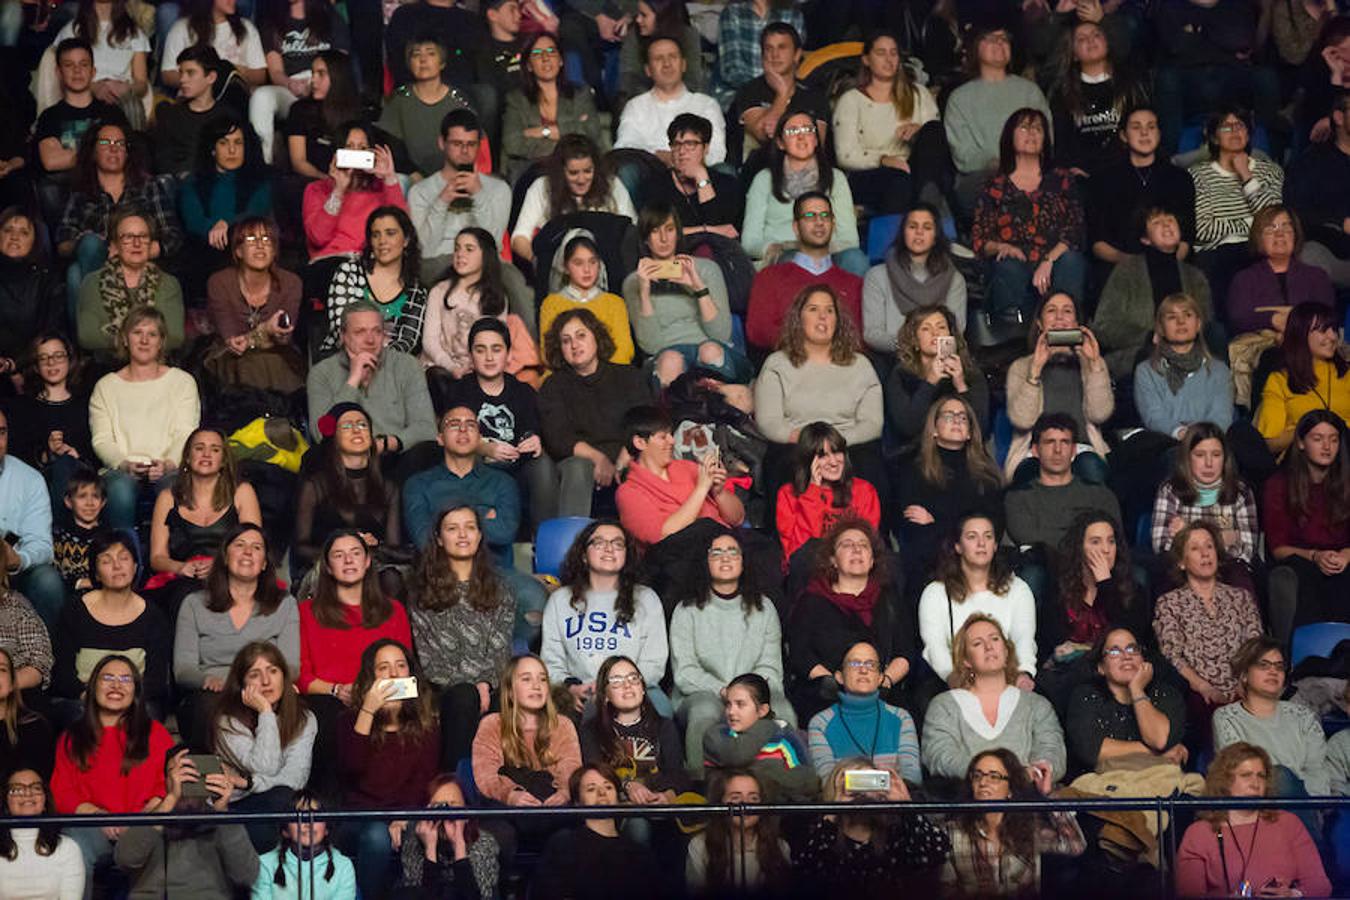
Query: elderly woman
pixel 1261 295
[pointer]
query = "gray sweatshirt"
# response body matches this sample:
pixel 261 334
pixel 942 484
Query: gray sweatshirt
pixel 1293 737
pixel 396 397
pixel 260 752
pixel 955 730
pixel 210 865
pixel 205 643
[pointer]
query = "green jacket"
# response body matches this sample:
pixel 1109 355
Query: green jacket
pixel 1124 320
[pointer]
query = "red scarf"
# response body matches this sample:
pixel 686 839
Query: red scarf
pixel 860 605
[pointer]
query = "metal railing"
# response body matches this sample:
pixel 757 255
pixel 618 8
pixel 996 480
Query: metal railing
pixel 1169 805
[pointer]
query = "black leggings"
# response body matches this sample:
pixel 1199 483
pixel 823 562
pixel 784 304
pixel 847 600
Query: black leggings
pixel 461 711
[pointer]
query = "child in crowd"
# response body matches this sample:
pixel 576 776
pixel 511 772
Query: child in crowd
pixel 71 538
pixel 752 738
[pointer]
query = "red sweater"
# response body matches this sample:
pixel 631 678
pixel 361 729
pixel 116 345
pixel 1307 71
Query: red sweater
pixel 646 500
pixel 1279 849
pixel 103 783
pixel 327 235
pixel 812 513
pixel 396 773
pixel 774 289
pixel 334 654
pixel 1315 531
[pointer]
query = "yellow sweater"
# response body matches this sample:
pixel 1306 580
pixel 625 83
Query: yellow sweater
pixel 1281 408
pixel 610 309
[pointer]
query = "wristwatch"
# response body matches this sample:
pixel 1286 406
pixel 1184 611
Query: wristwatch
pixel 546 131
pixel 702 183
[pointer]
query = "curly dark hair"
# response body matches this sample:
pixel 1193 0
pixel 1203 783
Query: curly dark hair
pixel 844 346
pixel 699 589
pixel 604 341
pixel 576 572
pixel 824 562
pixel 1072 568
pixel 435 587
pixel 410 268
pixel 1017 833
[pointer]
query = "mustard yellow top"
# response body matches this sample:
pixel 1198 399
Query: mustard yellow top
pixel 610 309
pixel 1281 408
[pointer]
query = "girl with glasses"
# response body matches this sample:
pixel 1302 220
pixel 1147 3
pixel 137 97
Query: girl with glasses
pixel 36 861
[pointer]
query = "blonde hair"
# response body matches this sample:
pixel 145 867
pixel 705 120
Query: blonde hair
pixel 1179 300
pixel 514 750
pixel 962 674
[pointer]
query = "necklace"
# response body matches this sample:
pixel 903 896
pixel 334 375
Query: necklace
pixel 1243 888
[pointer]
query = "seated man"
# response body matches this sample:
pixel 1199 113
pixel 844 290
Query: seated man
pixel 1317 186
pixel 174 138
pixel 59 129
pixel 386 383
pixel 861 724
pixel 776 286
pixel 26 515
pixel 646 117
pixel 417 107
pixel 762 101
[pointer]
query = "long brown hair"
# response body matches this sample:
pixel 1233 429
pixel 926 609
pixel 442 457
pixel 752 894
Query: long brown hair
pixel 12 711
pixel 561 200
pixel 1017 832
pixel 336 490
pixel 717 840
pixel 1299 366
pixel 435 587
pixel 811 442
pixel 227 479
pixel 514 751
pixel 376 608
pixel 1219 778
pixel 576 571
pixel 1298 470
pixel 844 345
pixel 267 594
pixel 123 25
pixel 610 751
pixel 953 577
pixel 232 716
pixel 86 733
pixel 414 718
pixel 979 464
pixel 904 95
pixel 1183 486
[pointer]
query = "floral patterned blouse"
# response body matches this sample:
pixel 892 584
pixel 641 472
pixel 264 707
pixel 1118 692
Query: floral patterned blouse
pixel 1190 635
pixel 1034 222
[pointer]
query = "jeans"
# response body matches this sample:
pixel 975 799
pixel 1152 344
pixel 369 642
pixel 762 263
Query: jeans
pixel 95 848
pixel 45 589
pixel 1183 90
pixel 124 493
pixel 1011 291
pixel 372 851
pixel 91 251
pixel 721 358
pixel 530 601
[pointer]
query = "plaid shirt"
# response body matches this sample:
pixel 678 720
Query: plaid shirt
pixel 24 635
pixel 1239 516
pixel 970 873
pixel 155 197
pixel 738 42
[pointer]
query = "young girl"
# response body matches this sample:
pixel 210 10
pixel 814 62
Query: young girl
pixel 737 855
pixel 304 866
pixel 751 738
pixel 51 420
pixel 524 755
pixel 583 285
pixel 1205 485
pixel 823 489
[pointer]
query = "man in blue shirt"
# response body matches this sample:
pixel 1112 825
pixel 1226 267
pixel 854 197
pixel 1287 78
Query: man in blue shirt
pixel 26 533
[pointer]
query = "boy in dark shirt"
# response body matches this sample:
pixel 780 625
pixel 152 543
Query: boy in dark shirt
pixel 60 127
pixel 73 535
pixel 178 124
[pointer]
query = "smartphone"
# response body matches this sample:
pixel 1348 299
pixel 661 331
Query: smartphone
pixel 946 346
pixel 867 781
pixel 364 160
pixel 464 167
pixel 207 764
pixel 404 688
pixel 284 320
pixel 668 270
pixel 1064 337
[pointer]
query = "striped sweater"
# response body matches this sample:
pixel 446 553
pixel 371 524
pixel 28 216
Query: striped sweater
pixel 862 725
pixel 1224 206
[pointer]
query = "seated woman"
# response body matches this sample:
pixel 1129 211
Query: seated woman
pixel 823 489
pixel 31 293
pixel 985 710
pixel 917 276
pixel 254 305
pixel 545 108
pixel 332 100
pixel 292 38
pixel 345 489
pixel 1261 295
pixel 708 201
pixel 1315 374
pixel 412 112
pixel 191 518
pixel 261 728
pixel 140 416
pixel 867 854
pixel 576 178
pixel 950 475
pixel 51 418
pixel 582 408
pixel 127 281
pixel 26 738
pixel 111 759
pixel 1230 188
pixel 640 745
pixel 1201 624
pixel 1127 711
pixel 799 162
pixel 240 604
pixel 1181 384
pixel 975 580
pixel 1275 849
pixel 306 858
pixel 667 19
pixel 879 132
pixel 525 755
pixel 722 628
pixel 228 184
pixel 585 286
pixel 386 272
pixel 819 374
pixel 472 289
pixel 713 865
pixel 111 618
pixel 599 587
pixel 932 361
pixel 337 208
pixel 1069 378
pixel 998 854
pixel 593 860
pixel 388 752
pixel 1029 222
pixel 678 304
pixel 852 597
pixel 1090 102
pixel 1096 591
pixel 841 730
pixel 1306 510
pixel 449 857
pixel 751 736
pixel 463 617
pixel 37 861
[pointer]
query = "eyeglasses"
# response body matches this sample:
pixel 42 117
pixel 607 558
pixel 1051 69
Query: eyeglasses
pixel 633 678
pixel 690 144
pixel 116 143
pixel 823 215
pixel 32 789
pixel 599 543
pixel 1032 125
pixel 110 678
pixel 1269 665
pixel 724 553
pixel 798 130
pixel 58 356
pixel 950 417
pixel 1232 127
pixel 981 775
pixel 459 425
pixel 1278 228
pixel 1127 650
pixel 354 426
pixel 139 237
pixel 544 51
pixel 862 665
pixel 264 239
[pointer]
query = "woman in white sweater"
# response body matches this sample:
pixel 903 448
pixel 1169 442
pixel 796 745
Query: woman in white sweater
pixel 37 861
pixel 141 415
pixel 973 578
pixel 601 611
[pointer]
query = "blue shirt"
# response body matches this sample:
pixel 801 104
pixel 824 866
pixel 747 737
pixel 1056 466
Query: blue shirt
pixel 427 494
pixel 26 510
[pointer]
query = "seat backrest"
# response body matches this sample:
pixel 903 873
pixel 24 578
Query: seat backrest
pixel 1317 639
pixel 551 543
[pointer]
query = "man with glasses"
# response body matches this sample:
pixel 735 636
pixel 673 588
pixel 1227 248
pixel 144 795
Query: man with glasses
pixel 26 526
pixel 861 724
pixel 455 197
pixel 776 286
pixel 646 118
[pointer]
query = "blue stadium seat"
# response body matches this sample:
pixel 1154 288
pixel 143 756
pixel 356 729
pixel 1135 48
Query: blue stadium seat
pixel 1317 639
pixel 881 232
pixel 552 541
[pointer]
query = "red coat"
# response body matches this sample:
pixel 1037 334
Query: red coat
pixel 103 783
pixel 774 289
pixel 810 514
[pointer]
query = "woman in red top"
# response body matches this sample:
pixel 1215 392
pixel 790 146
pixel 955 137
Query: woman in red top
pixel 336 208
pixel 347 613
pixel 112 759
pixel 822 491
pixel 1307 523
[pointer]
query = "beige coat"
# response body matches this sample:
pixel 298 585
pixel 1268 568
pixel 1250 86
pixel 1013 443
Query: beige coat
pixel 1026 402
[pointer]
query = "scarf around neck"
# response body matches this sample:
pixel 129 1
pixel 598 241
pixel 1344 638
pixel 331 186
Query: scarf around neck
pixel 907 292
pixel 861 605
pixel 118 299
pixel 1177 367
pixel 799 182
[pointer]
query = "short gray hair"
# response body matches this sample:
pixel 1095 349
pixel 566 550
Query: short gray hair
pixel 359 306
